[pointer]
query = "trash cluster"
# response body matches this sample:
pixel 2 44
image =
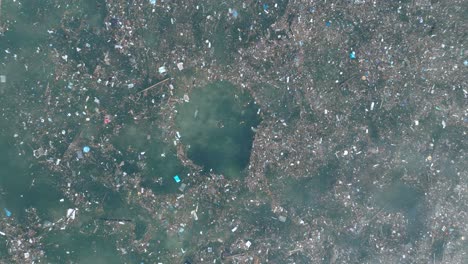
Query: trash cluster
pixel 233 132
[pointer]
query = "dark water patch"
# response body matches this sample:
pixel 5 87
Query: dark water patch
pixel 273 13
pixel 310 193
pixel 358 246
pixel 159 163
pixel 140 229
pixel 3 250
pixel 438 247
pixel 15 177
pixel 162 166
pixel 216 127
pixel 400 197
pixel 73 246
pixel 266 223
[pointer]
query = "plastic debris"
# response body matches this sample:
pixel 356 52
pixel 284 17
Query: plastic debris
pixel 107 120
pixel 153 2
pixel 7 212
pixel 182 187
pixel 79 154
pixel 71 213
pixel 176 178
pixel 265 7
pixel 162 70
pixel 352 55
pixel 2 79
pixel 86 149
pixel 233 12
pixel 248 244
pixel 282 218
pixel 328 23
pixel 180 66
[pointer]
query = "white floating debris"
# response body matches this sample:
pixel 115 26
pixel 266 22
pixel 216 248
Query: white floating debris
pixel 443 124
pixel 416 122
pixel 372 106
pixel 248 244
pixel 193 213
pixel 282 218
pixel 345 153
pixel 180 66
pixel 65 57
pixel 234 229
pixel 71 213
pixel 186 98
pixel 2 79
pixel 130 85
pixel 162 70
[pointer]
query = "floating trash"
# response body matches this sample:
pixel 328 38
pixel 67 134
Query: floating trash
pixel 352 55
pixel 182 187
pixel 233 12
pixel 86 149
pixel 71 213
pixel 176 178
pixel 7 212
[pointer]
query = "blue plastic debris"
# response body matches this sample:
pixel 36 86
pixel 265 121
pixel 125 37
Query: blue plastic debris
pixel 7 212
pixel 153 2
pixel 86 149
pixel 328 23
pixel 352 55
pixel 176 178
pixel 465 62
pixel 265 7
pixel 234 13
